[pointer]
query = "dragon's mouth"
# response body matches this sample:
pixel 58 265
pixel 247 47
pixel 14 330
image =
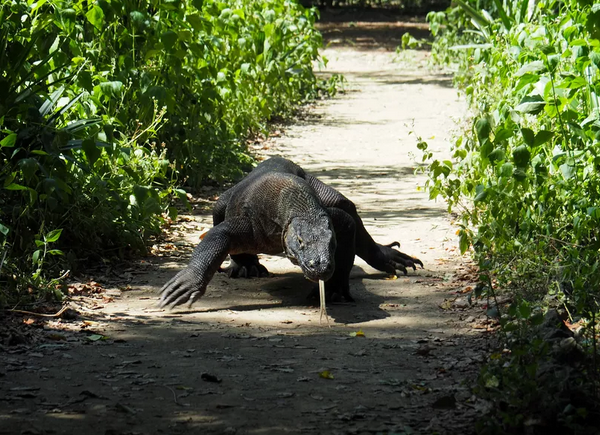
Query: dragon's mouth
pixel 313 270
pixel 316 276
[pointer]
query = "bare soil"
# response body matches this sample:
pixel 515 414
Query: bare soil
pixel 251 357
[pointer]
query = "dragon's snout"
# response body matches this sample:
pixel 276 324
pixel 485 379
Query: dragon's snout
pixel 318 268
pixel 311 244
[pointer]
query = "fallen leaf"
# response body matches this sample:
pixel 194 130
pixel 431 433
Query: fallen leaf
pixel 326 374
pixel 446 305
pixel 358 333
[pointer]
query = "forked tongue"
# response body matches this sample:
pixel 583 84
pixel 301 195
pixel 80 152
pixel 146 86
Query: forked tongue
pixel 323 307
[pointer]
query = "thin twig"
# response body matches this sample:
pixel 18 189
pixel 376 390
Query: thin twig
pixel 174 395
pixel 31 313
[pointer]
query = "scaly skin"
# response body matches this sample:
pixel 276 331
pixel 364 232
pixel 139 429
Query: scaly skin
pixel 279 208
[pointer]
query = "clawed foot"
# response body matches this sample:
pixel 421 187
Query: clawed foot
pixel 183 288
pixel 394 260
pixel 246 267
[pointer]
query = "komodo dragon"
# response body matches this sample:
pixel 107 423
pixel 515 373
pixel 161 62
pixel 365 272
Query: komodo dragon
pixel 280 208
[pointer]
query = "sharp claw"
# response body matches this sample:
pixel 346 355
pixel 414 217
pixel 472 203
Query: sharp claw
pixel 192 300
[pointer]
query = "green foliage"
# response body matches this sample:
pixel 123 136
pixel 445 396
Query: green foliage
pixel 403 6
pixel 105 106
pixel 525 177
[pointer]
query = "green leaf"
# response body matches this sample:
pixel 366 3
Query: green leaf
pixel 507 169
pixel 53 236
pixel 172 212
pixel 532 104
pixel 537 319
pixel 531 68
pixel 463 241
pixel 49 104
pixel 503 16
pixel 92 152
pixel 528 136
pixel 95 16
pixel 497 154
pixel 486 148
pixel 9 141
pixel 483 128
pixel 473 13
pixel 577 82
pixel 480 196
pixel 10 178
pixel 491 381
pixel 594 212
pixel 15 186
pixel 169 38
pixel 196 21
pixel 521 156
pixel 4 230
pixel 502 134
pixel 595 58
pixel 568 170
pixel 519 174
pixel 29 166
pixel 524 310
pixel 553 62
pixel 542 137
pixel 111 89
pixel 578 42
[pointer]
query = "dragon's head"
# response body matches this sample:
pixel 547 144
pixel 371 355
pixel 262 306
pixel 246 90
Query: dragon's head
pixel 310 243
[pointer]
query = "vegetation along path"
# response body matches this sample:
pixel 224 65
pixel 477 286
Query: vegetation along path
pixel 251 357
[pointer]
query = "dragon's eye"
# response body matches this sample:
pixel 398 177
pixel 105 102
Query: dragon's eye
pixel 300 241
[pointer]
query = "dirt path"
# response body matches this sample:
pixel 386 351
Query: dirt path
pixel 251 357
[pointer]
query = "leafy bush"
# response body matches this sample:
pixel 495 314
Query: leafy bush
pixel 525 177
pixel 404 6
pixel 106 106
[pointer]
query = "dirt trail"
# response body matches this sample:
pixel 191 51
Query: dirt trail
pixel 251 356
